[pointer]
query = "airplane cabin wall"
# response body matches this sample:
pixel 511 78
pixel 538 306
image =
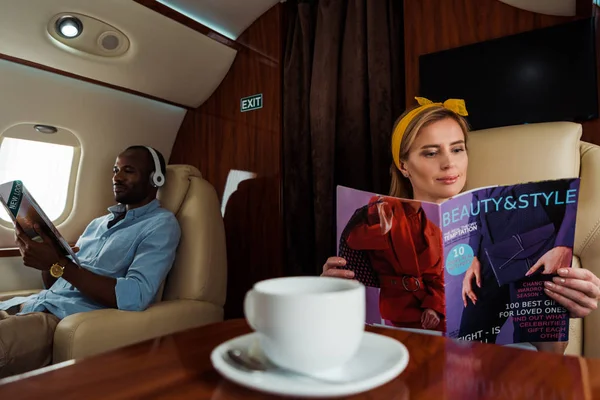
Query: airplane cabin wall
pixel 436 25
pixel 218 138
pixel 105 121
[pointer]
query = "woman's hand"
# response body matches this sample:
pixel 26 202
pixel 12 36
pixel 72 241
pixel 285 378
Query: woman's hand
pixel 385 217
pixel 474 271
pixel 552 260
pixel 576 289
pixel 430 319
pixel 330 268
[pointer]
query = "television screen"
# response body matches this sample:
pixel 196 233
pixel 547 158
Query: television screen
pixel 539 76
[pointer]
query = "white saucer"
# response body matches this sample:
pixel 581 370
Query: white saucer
pixel 378 360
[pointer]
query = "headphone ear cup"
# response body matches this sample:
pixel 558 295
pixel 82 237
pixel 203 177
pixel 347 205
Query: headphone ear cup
pixel 152 179
pixel 156 177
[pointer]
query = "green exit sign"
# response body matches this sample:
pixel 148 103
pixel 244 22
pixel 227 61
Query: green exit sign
pixel 251 103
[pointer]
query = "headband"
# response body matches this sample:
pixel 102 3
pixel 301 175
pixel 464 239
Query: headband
pixel 455 105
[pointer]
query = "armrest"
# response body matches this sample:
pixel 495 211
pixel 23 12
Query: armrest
pixel 587 236
pixel 86 334
pixel 14 251
pixel 9 295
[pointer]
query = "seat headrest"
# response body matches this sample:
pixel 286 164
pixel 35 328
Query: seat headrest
pixel 171 195
pixel 524 153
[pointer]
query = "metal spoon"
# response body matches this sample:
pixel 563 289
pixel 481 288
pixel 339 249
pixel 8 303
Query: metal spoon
pixel 248 363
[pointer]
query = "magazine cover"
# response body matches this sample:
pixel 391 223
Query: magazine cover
pixel 472 267
pixel 25 211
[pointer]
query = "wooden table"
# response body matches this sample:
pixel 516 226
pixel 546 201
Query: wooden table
pixel 178 367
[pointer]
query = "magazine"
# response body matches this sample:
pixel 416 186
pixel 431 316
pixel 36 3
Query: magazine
pixel 471 268
pixel 25 211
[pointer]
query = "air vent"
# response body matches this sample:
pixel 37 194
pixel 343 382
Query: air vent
pixel 109 41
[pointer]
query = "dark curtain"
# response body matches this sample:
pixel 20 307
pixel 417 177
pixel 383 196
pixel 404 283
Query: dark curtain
pixel 343 89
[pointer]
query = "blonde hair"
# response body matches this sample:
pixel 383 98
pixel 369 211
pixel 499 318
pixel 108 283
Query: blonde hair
pixel 400 185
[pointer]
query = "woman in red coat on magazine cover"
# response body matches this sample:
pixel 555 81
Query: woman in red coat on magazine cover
pixel 405 250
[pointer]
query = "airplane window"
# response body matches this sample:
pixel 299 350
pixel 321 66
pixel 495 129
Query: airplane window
pixel 44 168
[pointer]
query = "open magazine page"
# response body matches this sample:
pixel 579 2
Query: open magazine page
pixel 25 211
pixel 506 233
pixel 394 246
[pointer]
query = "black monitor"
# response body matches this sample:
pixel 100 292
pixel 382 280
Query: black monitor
pixel 539 76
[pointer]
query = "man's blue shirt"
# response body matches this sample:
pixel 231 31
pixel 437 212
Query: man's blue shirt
pixel 138 251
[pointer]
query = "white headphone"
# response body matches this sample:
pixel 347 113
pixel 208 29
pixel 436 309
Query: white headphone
pixel 157 177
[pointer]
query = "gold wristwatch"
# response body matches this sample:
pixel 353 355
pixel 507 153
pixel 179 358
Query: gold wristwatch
pixel 56 270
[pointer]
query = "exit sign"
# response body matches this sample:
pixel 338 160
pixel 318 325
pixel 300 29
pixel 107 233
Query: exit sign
pixel 251 103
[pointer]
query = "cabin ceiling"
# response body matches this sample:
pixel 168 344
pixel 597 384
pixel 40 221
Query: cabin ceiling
pixel 548 7
pixel 165 59
pixel 228 17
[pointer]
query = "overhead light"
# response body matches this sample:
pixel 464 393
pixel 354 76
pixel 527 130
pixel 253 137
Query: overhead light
pixel 101 39
pixel 48 129
pixel 69 27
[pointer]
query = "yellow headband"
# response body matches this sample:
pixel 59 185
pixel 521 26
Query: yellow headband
pixel 456 105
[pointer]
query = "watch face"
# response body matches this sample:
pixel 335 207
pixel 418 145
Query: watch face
pixel 56 270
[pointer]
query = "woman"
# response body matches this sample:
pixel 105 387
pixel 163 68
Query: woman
pixel 405 251
pixel 430 161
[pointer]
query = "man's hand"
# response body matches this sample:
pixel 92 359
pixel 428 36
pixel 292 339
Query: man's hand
pixel 430 319
pixel 554 259
pixel 41 256
pixel 474 271
pixel 38 255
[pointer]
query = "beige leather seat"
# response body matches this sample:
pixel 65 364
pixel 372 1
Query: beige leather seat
pixel 533 152
pixel 194 291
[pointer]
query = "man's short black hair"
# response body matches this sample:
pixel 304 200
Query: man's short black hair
pixel 161 159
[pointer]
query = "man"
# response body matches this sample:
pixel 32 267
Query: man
pixel 125 255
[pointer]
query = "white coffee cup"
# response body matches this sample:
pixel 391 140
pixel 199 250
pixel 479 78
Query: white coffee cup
pixel 307 324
